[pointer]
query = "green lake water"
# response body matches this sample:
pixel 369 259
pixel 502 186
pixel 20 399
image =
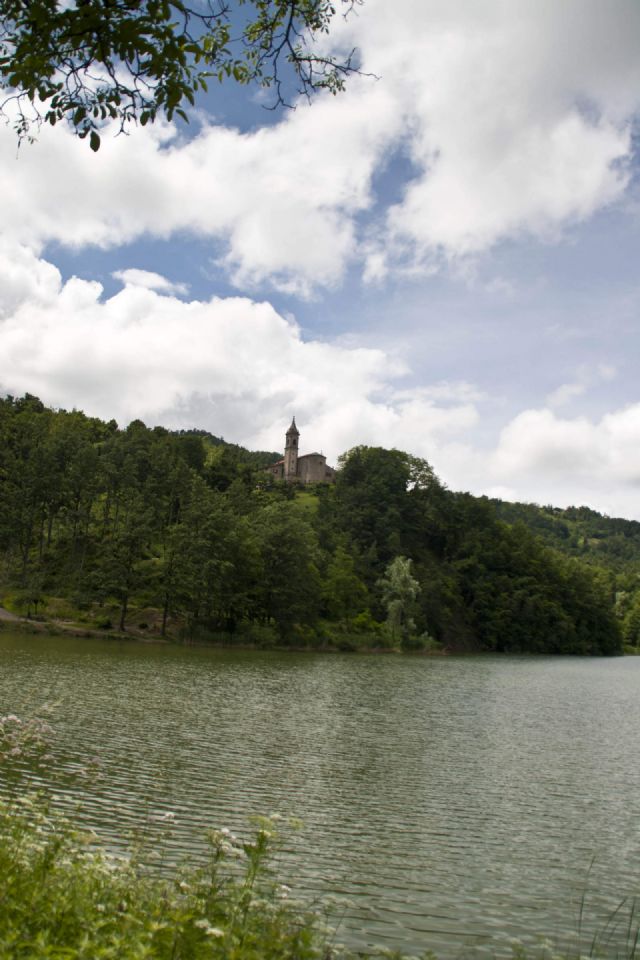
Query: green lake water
pixel 456 802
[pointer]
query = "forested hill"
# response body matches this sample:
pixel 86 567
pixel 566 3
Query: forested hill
pixel 608 544
pixel 580 532
pixel 227 459
pixel 177 533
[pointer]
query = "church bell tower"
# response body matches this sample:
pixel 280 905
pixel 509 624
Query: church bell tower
pixel 291 452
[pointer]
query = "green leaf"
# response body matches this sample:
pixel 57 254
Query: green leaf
pixel 94 141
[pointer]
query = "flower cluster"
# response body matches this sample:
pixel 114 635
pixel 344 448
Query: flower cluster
pixel 25 739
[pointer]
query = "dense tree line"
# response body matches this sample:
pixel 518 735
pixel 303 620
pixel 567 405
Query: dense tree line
pixel 610 545
pixel 609 542
pixel 181 533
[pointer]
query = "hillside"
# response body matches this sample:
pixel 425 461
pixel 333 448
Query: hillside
pixel 580 532
pixel 183 535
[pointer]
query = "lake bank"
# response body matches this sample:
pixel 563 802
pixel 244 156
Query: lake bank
pixel 53 627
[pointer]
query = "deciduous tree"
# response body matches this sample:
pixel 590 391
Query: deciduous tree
pixel 88 61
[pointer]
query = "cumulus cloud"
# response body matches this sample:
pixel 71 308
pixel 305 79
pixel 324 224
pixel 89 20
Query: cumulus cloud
pixel 518 115
pixel 280 201
pixel 149 280
pixel 516 118
pixel 550 459
pixel 237 367
pixel 24 278
pixel 234 366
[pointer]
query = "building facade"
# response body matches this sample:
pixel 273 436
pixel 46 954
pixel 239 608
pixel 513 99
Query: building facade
pixel 308 468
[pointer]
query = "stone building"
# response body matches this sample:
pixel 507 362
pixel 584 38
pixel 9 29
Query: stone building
pixel 308 468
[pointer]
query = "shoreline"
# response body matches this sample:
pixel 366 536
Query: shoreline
pixel 11 621
pixel 53 628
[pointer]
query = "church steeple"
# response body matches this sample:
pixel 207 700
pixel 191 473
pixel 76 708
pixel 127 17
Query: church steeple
pixel 291 452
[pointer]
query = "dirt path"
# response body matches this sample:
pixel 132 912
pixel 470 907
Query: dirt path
pixel 6 615
pixel 63 626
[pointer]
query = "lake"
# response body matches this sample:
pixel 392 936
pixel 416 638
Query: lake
pixel 456 802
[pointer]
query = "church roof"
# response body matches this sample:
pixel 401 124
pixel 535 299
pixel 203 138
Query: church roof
pixel 293 428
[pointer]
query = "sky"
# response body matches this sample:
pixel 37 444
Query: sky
pixel 442 259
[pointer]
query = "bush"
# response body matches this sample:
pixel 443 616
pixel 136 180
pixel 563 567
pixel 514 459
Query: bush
pixel 261 634
pixel 423 642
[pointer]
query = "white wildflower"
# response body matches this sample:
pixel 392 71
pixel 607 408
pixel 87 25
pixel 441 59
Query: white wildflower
pixel 210 931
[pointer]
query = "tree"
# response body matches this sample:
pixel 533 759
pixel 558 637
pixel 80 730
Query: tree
pixel 289 589
pixel 371 489
pixel 210 563
pixel 343 592
pixel 90 61
pixel 631 625
pixel 399 591
pixel 118 571
pixel 384 500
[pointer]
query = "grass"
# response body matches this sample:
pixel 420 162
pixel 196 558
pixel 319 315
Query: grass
pixel 63 898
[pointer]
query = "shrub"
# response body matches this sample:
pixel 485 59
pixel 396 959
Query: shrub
pixel 261 634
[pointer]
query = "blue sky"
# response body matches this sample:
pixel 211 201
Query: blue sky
pixel 442 260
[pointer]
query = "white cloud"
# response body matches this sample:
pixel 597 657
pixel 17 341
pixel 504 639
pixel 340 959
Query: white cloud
pixel 149 280
pixel 240 369
pixel 565 461
pixel 232 365
pixel 537 442
pixel 281 200
pixel 517 114
pixel 516 117
pixel 565 393
pixel 24 278
pixel 587 377
pixel 606 372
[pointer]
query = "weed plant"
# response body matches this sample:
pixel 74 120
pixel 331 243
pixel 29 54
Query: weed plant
pixel 63 897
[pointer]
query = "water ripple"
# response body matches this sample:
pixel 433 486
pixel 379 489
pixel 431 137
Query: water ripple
pixel 455 802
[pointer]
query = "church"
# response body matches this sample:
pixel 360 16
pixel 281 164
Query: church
pixel 308 468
